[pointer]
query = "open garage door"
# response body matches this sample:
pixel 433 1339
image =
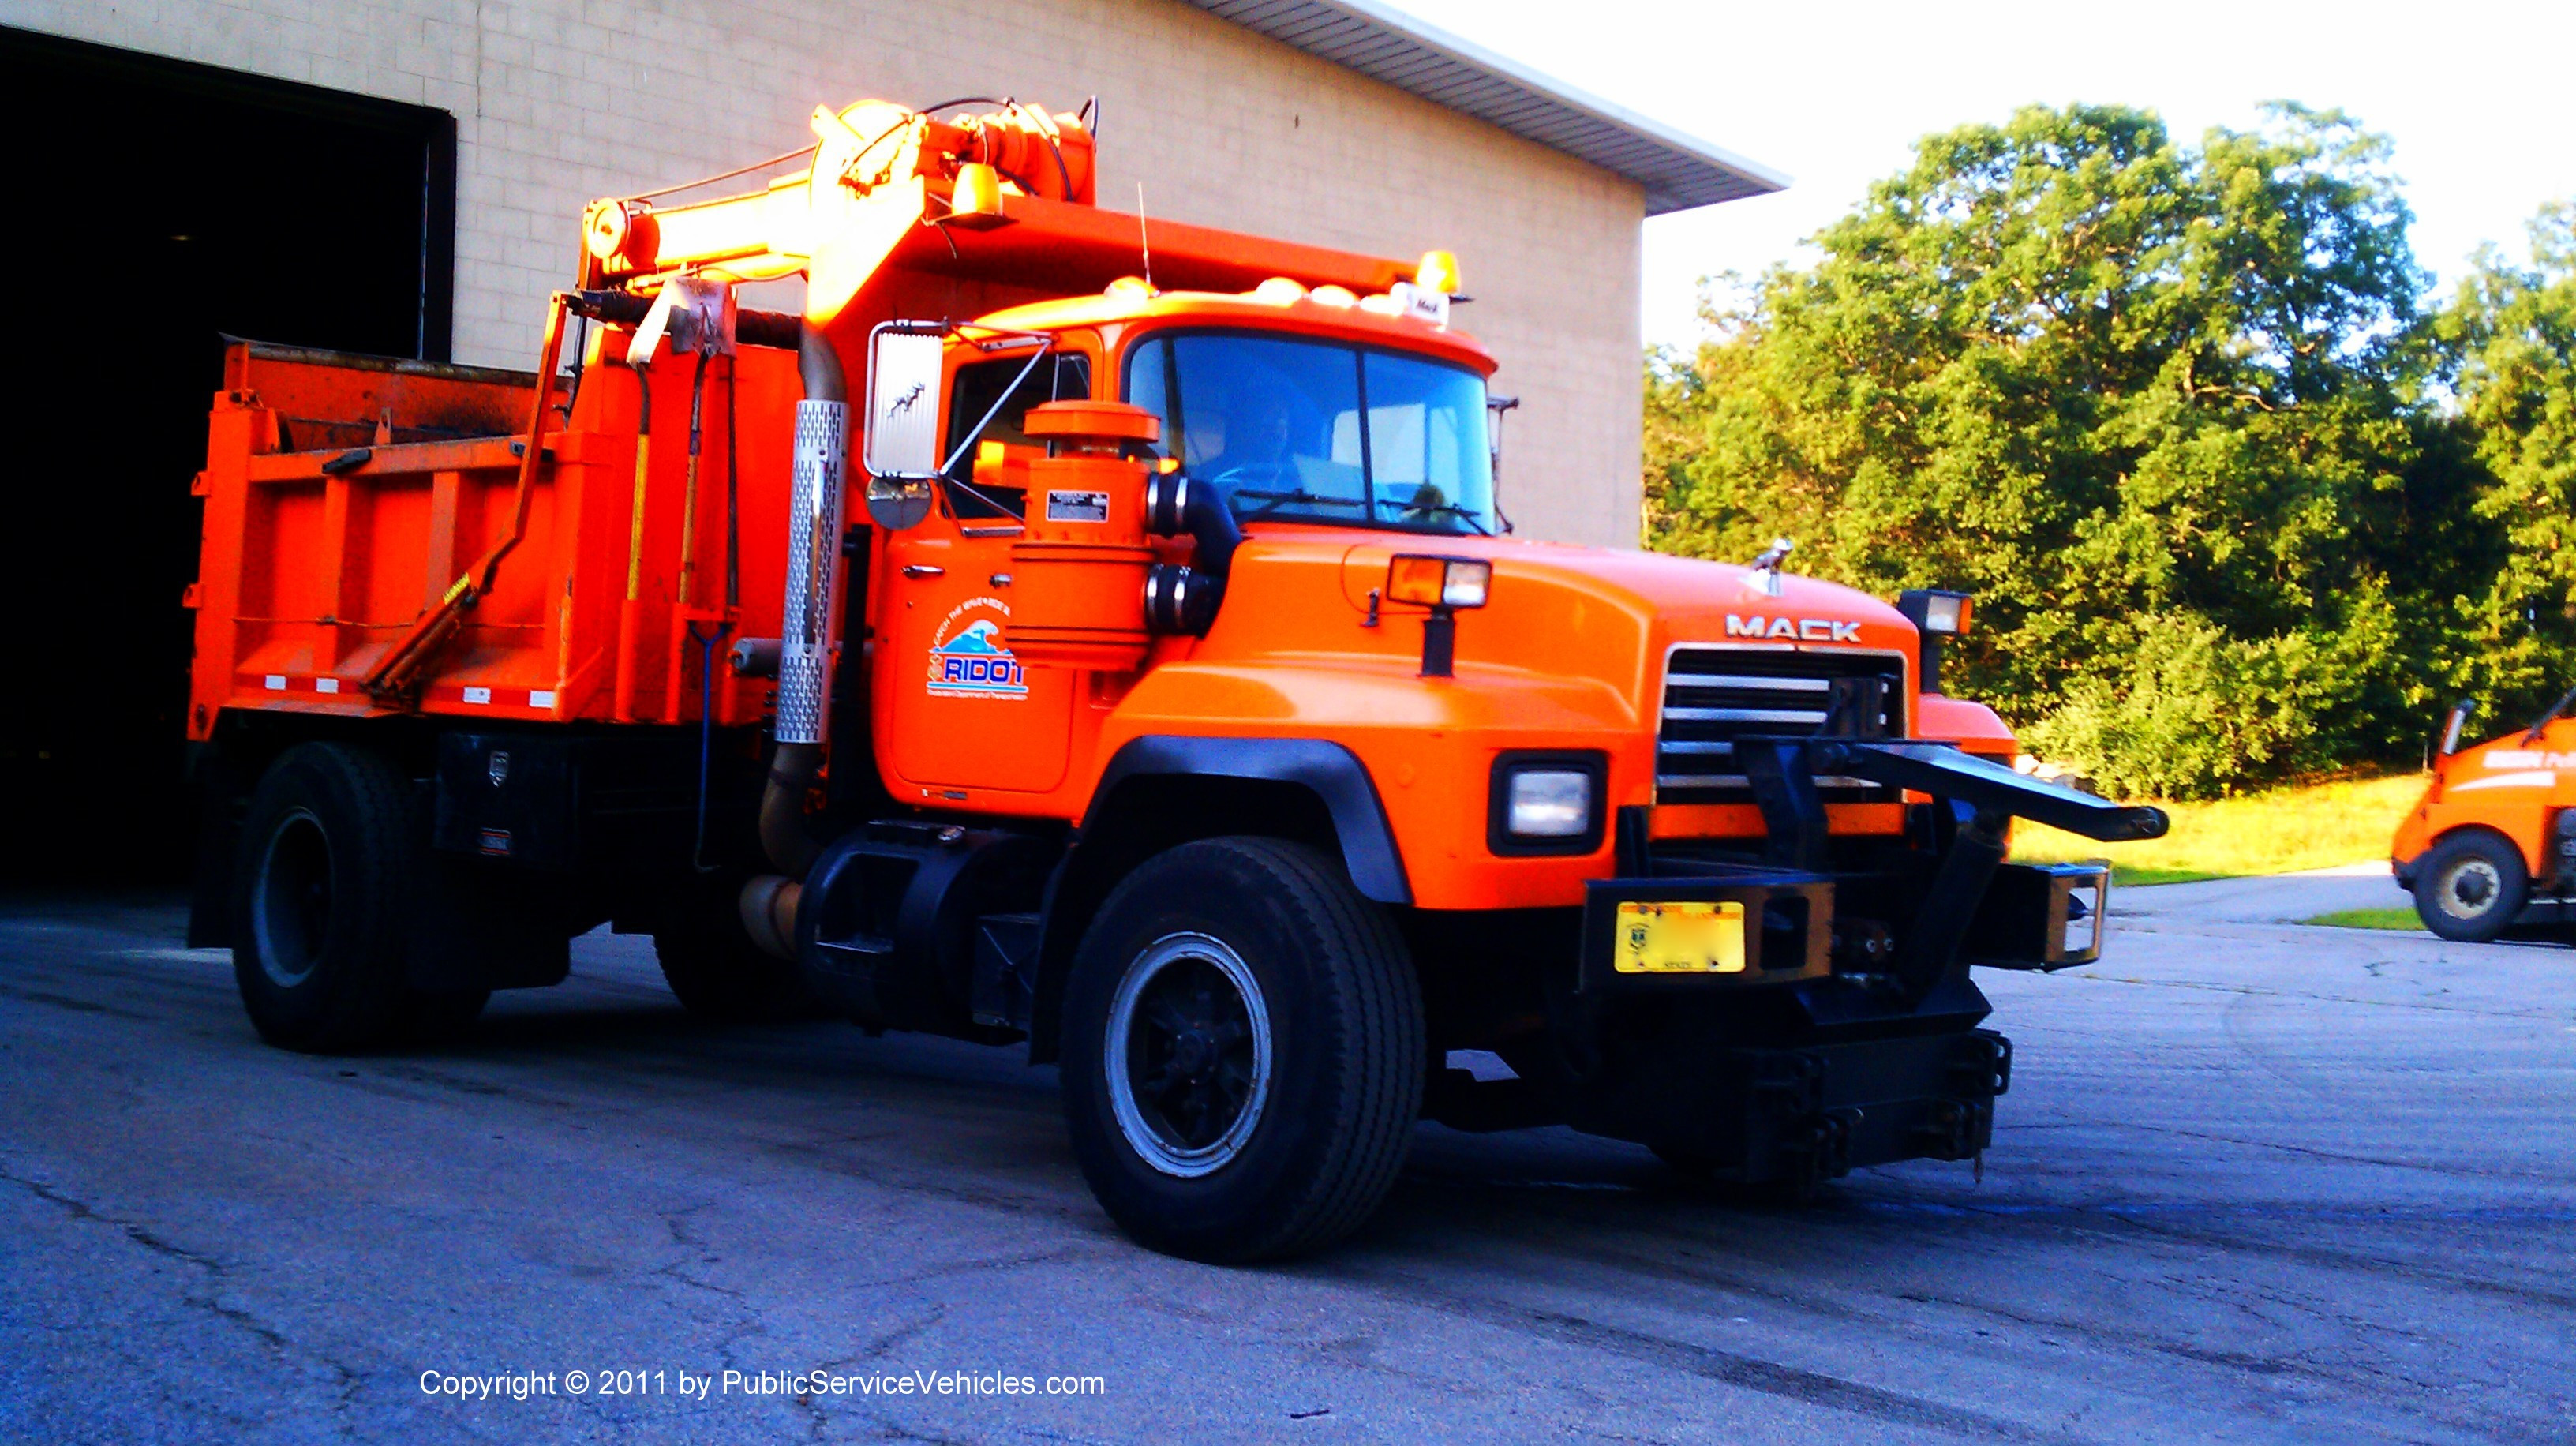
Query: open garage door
pixel 157 206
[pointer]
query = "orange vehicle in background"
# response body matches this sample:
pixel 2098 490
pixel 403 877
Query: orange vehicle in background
pixel 2489 852
pixel 1147 677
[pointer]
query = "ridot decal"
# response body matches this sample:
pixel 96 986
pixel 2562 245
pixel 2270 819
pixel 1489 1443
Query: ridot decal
pixel 967 659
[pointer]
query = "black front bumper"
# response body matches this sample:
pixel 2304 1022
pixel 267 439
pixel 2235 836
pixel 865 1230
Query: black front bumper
pixel 1844 1032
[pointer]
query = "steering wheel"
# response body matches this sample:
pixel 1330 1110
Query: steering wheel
pixel 1261 474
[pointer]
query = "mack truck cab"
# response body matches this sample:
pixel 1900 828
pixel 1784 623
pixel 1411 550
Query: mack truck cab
pixel 1138 670
pixel 2489 850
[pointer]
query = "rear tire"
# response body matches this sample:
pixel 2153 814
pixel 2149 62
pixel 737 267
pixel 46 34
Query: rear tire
pixel 320 900
pixel 1243 1052
pixel 2471 886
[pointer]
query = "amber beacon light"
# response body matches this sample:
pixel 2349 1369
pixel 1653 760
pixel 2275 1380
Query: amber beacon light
pixel 1444 585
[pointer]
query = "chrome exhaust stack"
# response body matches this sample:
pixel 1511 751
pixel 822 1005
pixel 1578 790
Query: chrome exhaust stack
pixel 814 514
pixel 807 641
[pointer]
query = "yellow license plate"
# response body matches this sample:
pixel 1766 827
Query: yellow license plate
pixel 1680 938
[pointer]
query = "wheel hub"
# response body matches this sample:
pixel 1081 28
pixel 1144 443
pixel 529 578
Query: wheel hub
pixel 2471 890
pixel 290 915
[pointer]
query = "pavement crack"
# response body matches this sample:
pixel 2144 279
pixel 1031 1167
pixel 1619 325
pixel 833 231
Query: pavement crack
pixel 216 1271
pixel 78 1005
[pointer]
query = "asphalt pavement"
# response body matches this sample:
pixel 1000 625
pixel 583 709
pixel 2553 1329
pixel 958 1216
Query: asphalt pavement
pixel 2272 899
pixel 2252 1183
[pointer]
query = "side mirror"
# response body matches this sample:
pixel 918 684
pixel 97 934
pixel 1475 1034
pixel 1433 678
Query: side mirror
pixel 900 447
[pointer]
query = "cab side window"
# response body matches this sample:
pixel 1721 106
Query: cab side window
pixel 1058 377
pixel 1149 385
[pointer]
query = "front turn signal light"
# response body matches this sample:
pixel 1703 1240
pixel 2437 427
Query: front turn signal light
pixel 1439 582
pixel 1444 585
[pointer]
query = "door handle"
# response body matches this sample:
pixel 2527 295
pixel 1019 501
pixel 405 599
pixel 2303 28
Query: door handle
pixel 923 569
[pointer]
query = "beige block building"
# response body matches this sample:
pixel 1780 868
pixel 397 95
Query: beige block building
pixel 1334 122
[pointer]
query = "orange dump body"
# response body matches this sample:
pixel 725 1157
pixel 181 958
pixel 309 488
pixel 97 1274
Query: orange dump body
pixel 343 496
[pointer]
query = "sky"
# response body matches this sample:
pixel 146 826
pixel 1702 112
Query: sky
pixel 2479 99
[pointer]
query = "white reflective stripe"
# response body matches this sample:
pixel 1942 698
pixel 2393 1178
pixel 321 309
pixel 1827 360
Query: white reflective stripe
pixel 274 682
pixel 2537 779
pixel 478 695
pixel 326 685
pixel 539 698
pixel 1677 745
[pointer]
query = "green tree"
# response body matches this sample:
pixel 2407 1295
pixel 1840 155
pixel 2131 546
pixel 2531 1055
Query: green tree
pixel 2160 408
pixel 2508 342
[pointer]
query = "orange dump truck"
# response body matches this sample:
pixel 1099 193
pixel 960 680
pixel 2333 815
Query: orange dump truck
pixel 2489 851
pixel 1143 674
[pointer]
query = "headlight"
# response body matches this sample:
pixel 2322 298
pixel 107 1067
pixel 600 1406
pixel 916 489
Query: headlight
pixel 1547 803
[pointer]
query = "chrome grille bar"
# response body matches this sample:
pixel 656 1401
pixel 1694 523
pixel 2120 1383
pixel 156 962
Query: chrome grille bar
pixel 1714 695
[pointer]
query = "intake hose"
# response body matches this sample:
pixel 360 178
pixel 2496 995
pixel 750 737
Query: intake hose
pixel 815 497
pixel 1183 598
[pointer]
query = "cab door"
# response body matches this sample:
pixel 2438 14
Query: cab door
pixel 956 711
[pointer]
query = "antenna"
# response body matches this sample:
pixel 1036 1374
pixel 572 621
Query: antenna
pixel 1144 242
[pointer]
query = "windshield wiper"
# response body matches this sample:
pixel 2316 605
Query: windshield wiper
pixel 1273 501
pixel 1463 514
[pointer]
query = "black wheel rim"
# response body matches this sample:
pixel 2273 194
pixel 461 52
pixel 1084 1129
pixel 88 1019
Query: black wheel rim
pixel 291 900
pixel 1188 1054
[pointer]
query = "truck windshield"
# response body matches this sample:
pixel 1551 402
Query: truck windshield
pixel 1274 424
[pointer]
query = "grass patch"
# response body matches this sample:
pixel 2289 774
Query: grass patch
pixel 2369 919
pixel 2283 831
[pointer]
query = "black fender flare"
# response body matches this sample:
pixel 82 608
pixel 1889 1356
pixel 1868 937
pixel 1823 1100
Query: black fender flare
pixel 1330 771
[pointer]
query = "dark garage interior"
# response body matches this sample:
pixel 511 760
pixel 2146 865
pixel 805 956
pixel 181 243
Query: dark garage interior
pixel 163 206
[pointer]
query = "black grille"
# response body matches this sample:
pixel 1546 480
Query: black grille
pixel 1713 696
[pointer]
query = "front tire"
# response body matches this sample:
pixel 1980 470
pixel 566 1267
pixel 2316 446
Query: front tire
pixel 2471 887
pixel 1243 1052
